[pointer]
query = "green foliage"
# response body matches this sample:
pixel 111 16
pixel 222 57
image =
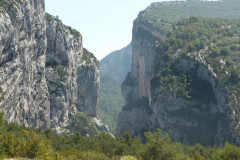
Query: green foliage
pixel 229 152
pixel 214 42
pixel 162 15
pixel 110 101
pixel 1 118
pixel 60 70
pixel 75 154
pixel 173 82
pixel 83 124
pixel 18 141
pixel 88 57
pixel 74 32
pixel 159 147
pixel 2 149
pixel 49 17
pixel 128 158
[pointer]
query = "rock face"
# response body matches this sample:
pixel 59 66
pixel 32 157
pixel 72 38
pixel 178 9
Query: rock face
pixel 24 97
pixel 206 118
pixel 136 87
pixel 73 82
pixel 46 76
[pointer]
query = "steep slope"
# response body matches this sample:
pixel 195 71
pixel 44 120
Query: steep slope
pixel 117 64
pixel 24 91
pixel 110 101
pixel 46 75
pixel 72 75
pixel 203 114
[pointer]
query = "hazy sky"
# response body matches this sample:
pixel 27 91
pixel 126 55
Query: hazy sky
pixel 106 25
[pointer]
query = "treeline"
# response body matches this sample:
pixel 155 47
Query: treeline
pixel 17 141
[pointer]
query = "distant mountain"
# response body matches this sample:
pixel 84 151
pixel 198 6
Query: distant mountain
pixel 110 101
pixel 117 64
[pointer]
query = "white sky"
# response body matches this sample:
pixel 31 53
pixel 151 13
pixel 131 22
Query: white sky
pixel 106 25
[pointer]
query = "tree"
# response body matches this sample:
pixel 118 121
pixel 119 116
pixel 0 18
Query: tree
pixel 1 118
pixel 2 148
pixel 160 147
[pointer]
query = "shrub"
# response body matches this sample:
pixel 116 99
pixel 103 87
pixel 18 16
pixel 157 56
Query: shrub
pixel 128 158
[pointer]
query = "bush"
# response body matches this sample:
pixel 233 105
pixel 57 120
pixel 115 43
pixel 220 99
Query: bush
pixel 83 124
pixel 128 158
pixel 159 147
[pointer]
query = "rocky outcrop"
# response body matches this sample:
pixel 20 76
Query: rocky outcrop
pixel 205 118
pixel 46 76
pixel 73 80
pixel 136 87
pixel 24 97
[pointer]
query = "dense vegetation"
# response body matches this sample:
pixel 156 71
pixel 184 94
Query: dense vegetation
pixel 113 70
pixel 89 57
pixel 83 124
pixel 161 15
pixel 110 101
pixel 18 141
pixel 214 42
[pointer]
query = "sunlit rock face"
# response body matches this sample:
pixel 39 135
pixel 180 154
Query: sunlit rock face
pixel 46 76
pixel 23 43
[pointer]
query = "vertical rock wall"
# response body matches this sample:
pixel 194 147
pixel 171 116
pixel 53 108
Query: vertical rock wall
pixel 46 76
pixel 24 96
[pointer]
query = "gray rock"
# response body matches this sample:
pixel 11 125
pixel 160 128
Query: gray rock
pixel 22 64
pixel 45 76
pixel 73 85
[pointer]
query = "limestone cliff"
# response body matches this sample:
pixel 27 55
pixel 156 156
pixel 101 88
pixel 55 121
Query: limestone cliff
pixel 209 116
pixel 24 96
pixel 46 76
pixel 72 76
